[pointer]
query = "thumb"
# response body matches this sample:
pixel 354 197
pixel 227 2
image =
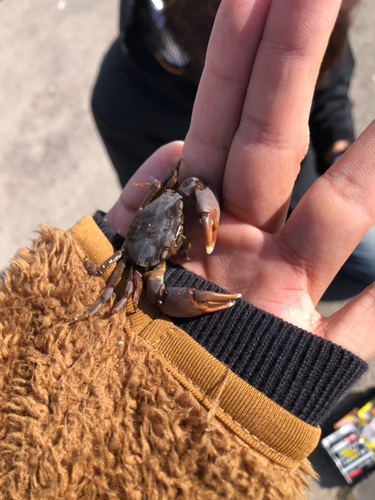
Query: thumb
pixel 154 168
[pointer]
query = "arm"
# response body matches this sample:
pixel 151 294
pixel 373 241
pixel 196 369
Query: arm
pixel 223 405
pixel 274 357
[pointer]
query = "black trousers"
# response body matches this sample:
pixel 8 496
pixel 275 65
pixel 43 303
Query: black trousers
pixel 138 106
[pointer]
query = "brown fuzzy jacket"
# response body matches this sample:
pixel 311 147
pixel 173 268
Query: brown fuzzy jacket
pixel 126 407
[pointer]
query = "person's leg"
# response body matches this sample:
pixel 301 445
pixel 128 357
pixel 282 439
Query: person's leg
pixel 307 175
pixel 138 106
pixel 361 264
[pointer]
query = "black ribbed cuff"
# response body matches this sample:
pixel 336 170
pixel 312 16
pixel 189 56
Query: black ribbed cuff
pixel 301 372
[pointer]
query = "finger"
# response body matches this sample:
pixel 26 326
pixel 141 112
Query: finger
pixel 154 168
pixel 332 217
pixel 353 325
pixel 272 137
pixel 218 105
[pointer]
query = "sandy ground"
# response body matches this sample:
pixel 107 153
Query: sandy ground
pixel 53 168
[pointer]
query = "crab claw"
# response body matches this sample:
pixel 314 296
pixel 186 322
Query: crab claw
pixel 209 212
pixel 189 302
pixel 207 207
pixel 209 225
pixel 184 302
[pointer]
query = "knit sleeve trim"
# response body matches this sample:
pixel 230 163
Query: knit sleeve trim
pixel 260 422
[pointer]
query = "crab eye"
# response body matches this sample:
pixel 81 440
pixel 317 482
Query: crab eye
pixel 164 255
pixel 187 182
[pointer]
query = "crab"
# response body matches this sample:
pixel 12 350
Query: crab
pixel 155 234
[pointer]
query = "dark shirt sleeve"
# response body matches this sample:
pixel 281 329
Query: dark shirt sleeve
pixel 137 28
pixel 331 117
pixel 299 371
pixel 126 14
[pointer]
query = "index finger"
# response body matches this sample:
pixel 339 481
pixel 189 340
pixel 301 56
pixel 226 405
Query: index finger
pixel 218 105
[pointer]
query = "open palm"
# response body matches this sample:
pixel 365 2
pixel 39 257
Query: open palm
pixel 248 135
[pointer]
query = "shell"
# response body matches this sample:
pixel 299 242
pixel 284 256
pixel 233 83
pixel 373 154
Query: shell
pixel 154 229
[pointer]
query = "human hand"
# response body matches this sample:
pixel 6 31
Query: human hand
pixel 248 135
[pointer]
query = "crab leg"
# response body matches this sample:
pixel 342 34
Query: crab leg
pixel 134 285
pixel 138 284
pixel 183 302
pixel 207 207
pixel 127 292
pixel 154 188
pixel 157 188
pixel 115 278
pixel 99 270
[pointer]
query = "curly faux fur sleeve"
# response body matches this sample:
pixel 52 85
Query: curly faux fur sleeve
pixel 101 409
